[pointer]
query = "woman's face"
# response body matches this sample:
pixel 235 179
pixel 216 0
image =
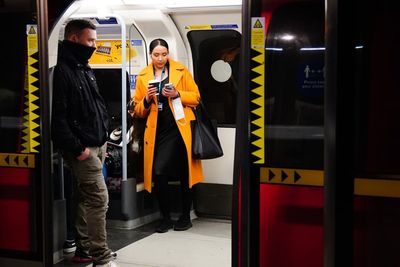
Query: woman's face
pixel 159 56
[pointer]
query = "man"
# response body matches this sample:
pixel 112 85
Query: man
pixel 79 131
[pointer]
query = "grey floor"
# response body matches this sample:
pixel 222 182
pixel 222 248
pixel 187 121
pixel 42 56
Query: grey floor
pixel 207 243
pixel 117 239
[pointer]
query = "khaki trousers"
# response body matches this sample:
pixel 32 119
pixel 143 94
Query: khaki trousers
pixel 92 204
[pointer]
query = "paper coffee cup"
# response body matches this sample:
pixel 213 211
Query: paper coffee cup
pixel 154 83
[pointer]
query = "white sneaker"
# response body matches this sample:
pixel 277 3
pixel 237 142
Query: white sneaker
pixel 113 255
pixel 69 246
pixel 108 264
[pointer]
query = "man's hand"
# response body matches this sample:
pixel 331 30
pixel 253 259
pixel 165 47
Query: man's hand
pixel 84 155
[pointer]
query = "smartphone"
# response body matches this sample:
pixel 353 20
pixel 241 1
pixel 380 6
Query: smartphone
pixel 169 86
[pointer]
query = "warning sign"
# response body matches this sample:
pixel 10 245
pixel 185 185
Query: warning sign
pixel 17 160
pixel 32 30
pixel 257 32
pixel 258 24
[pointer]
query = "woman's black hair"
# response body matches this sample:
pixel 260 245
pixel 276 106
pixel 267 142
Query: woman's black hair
pixel 157 42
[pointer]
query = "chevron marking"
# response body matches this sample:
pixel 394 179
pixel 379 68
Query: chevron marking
pixel 17 160
pixel 31 136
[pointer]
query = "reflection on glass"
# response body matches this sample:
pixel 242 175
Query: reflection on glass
pixel 294 83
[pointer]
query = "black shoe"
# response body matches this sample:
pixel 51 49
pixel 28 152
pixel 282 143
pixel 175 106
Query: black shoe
pixel 183 224
pixel 164 226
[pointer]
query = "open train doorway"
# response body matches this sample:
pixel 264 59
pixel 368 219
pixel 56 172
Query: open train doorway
pixel 124 32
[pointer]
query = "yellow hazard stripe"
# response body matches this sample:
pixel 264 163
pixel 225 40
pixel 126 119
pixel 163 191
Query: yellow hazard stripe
pixel 257 97
pixel 377 187
pixel 31 134
pixel 198 27
pixel 17 160
pixel 362 186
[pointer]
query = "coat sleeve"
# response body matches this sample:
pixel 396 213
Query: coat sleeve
pixel 140 109
pixel 190 95
pixel 61 132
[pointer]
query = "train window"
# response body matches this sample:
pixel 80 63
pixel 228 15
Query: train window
pixel 294 86
pixel 138 56
pixel 216 64
pixel 109 82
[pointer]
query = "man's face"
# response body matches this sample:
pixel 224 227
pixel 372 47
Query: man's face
pixel 86 37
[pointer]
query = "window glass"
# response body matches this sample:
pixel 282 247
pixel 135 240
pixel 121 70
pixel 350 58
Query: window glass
pixel 216 56
pixel 294 86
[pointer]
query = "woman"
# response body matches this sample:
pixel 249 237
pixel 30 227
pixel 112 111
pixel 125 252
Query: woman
pixel 167 141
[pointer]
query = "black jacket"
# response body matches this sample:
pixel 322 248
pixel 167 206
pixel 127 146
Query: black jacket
pixel 79 115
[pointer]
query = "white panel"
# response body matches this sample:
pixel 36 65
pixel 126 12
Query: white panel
pixel 220 170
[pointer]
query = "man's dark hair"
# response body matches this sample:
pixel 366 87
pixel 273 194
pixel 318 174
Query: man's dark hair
pixel 76 26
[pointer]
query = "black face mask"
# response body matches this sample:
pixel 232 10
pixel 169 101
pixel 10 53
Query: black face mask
pixel 81 52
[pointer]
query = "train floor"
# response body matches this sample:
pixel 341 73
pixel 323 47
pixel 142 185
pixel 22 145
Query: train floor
pixel 207 243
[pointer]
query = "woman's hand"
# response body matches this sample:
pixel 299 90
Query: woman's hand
pixel 151 91
pixel 170 92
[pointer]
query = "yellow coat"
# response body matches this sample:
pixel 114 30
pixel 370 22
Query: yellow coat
pixel 190 96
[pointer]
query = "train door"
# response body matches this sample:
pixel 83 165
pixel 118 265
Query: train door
pixel 290 150
pixel 280 211
pixel 26 205
pixel 323 196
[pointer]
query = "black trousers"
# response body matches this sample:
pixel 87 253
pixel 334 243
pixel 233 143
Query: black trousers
pixel 162 191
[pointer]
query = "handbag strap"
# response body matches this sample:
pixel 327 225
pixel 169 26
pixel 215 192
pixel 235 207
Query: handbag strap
pixel 200 111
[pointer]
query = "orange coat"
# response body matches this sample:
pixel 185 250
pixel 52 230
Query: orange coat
pixel 190 96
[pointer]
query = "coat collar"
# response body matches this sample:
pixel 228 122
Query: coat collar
pixel 175 72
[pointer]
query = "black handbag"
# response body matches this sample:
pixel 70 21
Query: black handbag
pixel 136 145
pixel 205 141
pixel 113 160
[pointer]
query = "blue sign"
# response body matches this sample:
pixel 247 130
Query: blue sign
pixel 224 26
pixel 312 79
pixel 136 42
pixel 107 21
pixel 132 81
